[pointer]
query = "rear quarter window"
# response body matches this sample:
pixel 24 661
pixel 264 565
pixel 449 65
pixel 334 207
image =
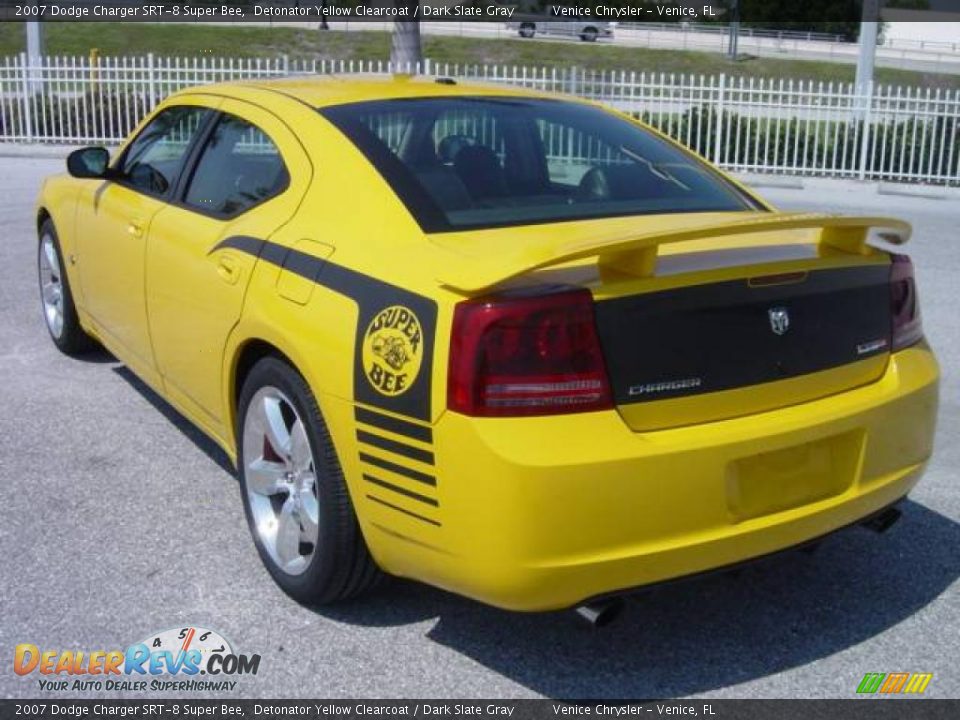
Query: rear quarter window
pixel 239 167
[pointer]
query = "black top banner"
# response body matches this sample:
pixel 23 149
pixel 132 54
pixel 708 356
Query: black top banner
pixel 516 11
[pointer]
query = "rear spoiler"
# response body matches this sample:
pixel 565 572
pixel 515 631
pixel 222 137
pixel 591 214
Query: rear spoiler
pixel 636 253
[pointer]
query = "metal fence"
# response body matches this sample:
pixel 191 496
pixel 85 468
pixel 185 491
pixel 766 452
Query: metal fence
pixel 760 125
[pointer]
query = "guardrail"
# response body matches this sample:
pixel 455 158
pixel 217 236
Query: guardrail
pixel 938 46
pixel 761 125
pixel 745 31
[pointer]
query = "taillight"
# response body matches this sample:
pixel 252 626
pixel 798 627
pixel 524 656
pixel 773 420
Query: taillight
pixel 904 303
pixel 527 355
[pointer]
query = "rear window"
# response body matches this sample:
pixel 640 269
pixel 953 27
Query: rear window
pixel 462 163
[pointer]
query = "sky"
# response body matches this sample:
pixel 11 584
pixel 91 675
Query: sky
pixel 933 31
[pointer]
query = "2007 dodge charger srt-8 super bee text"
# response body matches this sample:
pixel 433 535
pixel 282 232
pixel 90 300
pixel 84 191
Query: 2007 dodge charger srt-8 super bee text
pixel 514 345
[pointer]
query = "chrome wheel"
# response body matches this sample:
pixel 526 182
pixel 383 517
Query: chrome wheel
pixel 280 480
pixel 51 285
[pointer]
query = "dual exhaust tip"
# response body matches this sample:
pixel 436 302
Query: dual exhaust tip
pixel 600 613
pixel 883 520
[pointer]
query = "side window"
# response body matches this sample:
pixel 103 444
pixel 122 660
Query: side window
pixel 239 167
pixel 155 156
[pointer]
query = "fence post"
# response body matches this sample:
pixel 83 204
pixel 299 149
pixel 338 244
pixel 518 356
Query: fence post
pixel 27 99
pixel 867 104
pixel 718 137
pixel 151 82
pixel 94 68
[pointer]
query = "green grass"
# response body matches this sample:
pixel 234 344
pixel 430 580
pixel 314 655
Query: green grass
pixel 247 41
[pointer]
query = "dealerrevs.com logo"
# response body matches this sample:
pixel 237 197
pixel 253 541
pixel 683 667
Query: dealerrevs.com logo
pixel 172 660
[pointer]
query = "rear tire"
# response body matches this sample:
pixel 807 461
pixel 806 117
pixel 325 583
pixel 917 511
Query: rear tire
pixel 589 34
pixel 527 30
pixel 294 494
pixel 56 298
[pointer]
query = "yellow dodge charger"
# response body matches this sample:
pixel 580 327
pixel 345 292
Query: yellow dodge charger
pixel 510 344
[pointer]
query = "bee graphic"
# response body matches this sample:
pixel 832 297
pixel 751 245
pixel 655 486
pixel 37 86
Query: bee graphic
pixel 392 349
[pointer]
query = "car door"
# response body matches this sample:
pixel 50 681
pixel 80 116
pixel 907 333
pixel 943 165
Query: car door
pixel 113 221
pixel 246 179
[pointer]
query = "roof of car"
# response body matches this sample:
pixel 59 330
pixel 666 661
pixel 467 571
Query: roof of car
pixel 320 91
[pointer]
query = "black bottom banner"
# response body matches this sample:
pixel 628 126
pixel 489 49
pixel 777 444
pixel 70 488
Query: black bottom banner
pixel 860 709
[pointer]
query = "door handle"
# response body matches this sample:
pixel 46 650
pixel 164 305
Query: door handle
pixel 227 269
pixel 135 228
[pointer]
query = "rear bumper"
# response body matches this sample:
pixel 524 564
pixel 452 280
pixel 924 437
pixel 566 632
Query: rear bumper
pixel 810 544
pixel 543 513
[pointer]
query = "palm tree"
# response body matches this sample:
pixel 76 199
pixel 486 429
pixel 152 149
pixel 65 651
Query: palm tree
pixel 406 51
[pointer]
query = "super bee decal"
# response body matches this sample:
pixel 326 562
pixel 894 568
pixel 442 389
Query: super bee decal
pixel 393 347
pixel 392 350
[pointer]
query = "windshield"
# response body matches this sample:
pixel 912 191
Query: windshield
pixel 472 162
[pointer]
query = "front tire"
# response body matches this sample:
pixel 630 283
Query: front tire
pixel 589 34
pixel 56 298
pixel 527 30
pixel 294 494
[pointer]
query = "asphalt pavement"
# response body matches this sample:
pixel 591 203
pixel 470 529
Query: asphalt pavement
pixel 118 520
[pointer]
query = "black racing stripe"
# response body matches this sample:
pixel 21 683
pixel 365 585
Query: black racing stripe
pixel 400 509
pixel 372 296
pixel 398 469
pixel 393 446
pixel 243 243
pixel 401 491
pixel 394 425
pixel 340 279
pixel 278 254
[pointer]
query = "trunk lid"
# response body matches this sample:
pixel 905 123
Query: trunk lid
pixel 690 353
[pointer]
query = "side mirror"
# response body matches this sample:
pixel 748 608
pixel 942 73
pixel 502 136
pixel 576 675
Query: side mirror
pixel 89 162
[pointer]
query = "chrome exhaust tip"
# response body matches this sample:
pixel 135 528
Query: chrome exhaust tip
pixel 883 521
pixel 600 613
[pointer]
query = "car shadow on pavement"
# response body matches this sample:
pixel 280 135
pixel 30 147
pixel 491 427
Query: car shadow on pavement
pixel 96 356
pixel 196 436
pixel 705 633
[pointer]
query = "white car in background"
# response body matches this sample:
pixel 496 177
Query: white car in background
pixel 587 29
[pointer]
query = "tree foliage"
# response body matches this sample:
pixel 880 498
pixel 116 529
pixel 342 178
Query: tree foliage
pixel 840 17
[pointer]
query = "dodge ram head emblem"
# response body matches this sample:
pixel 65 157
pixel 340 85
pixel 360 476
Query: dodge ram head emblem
pixel 779 320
